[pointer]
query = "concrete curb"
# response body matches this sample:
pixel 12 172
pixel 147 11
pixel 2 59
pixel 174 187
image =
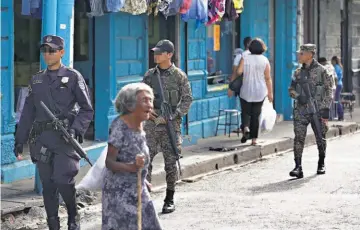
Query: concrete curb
pixel 246 154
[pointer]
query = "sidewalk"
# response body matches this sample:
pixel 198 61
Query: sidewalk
pixel 197 159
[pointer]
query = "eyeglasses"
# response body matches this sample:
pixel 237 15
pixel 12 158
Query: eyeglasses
pixel 48 50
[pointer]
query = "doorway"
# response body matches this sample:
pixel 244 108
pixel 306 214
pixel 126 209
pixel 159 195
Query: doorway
pixel 161 28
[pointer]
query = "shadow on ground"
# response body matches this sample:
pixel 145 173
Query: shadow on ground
pixel 281 186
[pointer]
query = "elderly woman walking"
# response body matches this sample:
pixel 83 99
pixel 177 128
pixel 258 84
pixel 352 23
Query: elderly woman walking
pixel 127 139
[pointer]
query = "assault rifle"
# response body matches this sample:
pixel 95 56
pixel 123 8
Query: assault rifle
pixel 166 112
pixel 311 105
pixel 58 124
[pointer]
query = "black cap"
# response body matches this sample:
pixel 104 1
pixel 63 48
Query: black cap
pixel 164 46
pixel 53 41
pixel 322 59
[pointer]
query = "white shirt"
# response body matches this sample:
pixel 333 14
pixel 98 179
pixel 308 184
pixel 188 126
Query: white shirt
pixel 238 57
pixel 254 86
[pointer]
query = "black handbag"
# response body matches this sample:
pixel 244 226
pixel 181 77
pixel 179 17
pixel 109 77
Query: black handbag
pixel 236 84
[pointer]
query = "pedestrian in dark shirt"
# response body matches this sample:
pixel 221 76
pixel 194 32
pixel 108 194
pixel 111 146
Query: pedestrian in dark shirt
pixel 60 88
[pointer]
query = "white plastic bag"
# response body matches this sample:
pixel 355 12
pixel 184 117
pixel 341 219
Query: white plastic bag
pixel 95 176
pixel 267 117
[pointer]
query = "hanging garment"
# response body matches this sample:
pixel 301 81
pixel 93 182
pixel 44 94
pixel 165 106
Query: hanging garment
pixel 185 7
pixel 174 7
pixel 135 7
pixel 153 7
pixel 216 10
pixel 114 5
pixel 230 12
pixel 96 7
pixel 239 6
pixel 198 11
pixel 164 7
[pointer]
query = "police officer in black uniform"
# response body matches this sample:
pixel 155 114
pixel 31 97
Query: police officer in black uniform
pixel 60 88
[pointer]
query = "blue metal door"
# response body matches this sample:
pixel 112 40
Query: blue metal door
pixel 285 56
pixel 121 44
pixel 255 20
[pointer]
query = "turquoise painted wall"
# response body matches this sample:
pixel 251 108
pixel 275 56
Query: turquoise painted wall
pixel 255 20
pixel 7 82
pixel 285 54
pixel 203 113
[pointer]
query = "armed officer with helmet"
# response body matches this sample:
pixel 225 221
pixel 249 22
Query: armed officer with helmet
pixel 177 93
pixel 311 87
pixel 60 88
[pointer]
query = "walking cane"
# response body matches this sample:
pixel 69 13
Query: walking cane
pixel 139 204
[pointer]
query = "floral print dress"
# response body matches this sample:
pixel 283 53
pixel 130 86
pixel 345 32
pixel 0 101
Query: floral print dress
pixel 119 194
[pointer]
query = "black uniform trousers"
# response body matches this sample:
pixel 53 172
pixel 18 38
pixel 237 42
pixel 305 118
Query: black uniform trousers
pixel 58 177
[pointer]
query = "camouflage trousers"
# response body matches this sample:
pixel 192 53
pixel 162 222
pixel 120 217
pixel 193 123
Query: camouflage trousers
pixel 158 141
pixel 301 122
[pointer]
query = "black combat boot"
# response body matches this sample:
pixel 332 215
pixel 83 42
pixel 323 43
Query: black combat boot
pixel 169 205
pixel 321 165
pixel 74 223
pixel 53 223
pixel 68 193
pixel 297 171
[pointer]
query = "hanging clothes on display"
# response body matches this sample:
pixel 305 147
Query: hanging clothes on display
pixel 164 7
pixel 239 6
pixel 216 10
pixel 185 7
pixel 230 12
pixel 153 7
pixel 174 7
pixel 198 11
pixel 135 7
pixel 96 7
pixel 113 5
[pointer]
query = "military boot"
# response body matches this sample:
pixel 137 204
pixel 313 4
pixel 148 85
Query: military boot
pixel 169 205
pixel 68 193
pixel 297 171
pixel 321 165
pixel 74 223
pixel 53 223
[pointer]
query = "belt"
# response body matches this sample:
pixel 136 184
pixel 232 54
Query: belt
pixel 40 127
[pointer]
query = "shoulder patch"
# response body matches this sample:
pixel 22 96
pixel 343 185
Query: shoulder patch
pixel 30 89
pixel 81 85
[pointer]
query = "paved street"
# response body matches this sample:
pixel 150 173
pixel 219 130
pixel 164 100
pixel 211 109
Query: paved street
pixel 261 196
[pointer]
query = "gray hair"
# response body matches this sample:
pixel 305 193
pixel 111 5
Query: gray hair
pixel 125 100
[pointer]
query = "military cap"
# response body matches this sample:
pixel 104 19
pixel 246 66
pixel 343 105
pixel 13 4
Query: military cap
pixel 55 42
pixel 307 48
pixel 164 46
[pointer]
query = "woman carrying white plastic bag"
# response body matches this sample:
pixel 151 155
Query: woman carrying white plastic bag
pixel 95 176
pixel 267 117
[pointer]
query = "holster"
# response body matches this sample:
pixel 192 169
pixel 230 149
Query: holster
pixel 40 153
pixel 45 156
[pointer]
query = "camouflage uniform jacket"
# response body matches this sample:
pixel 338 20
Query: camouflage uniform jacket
pixel 177 91
pixel 321 83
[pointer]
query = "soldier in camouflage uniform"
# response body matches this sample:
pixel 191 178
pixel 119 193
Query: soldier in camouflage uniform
pixel 320 84
pixel 177 93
